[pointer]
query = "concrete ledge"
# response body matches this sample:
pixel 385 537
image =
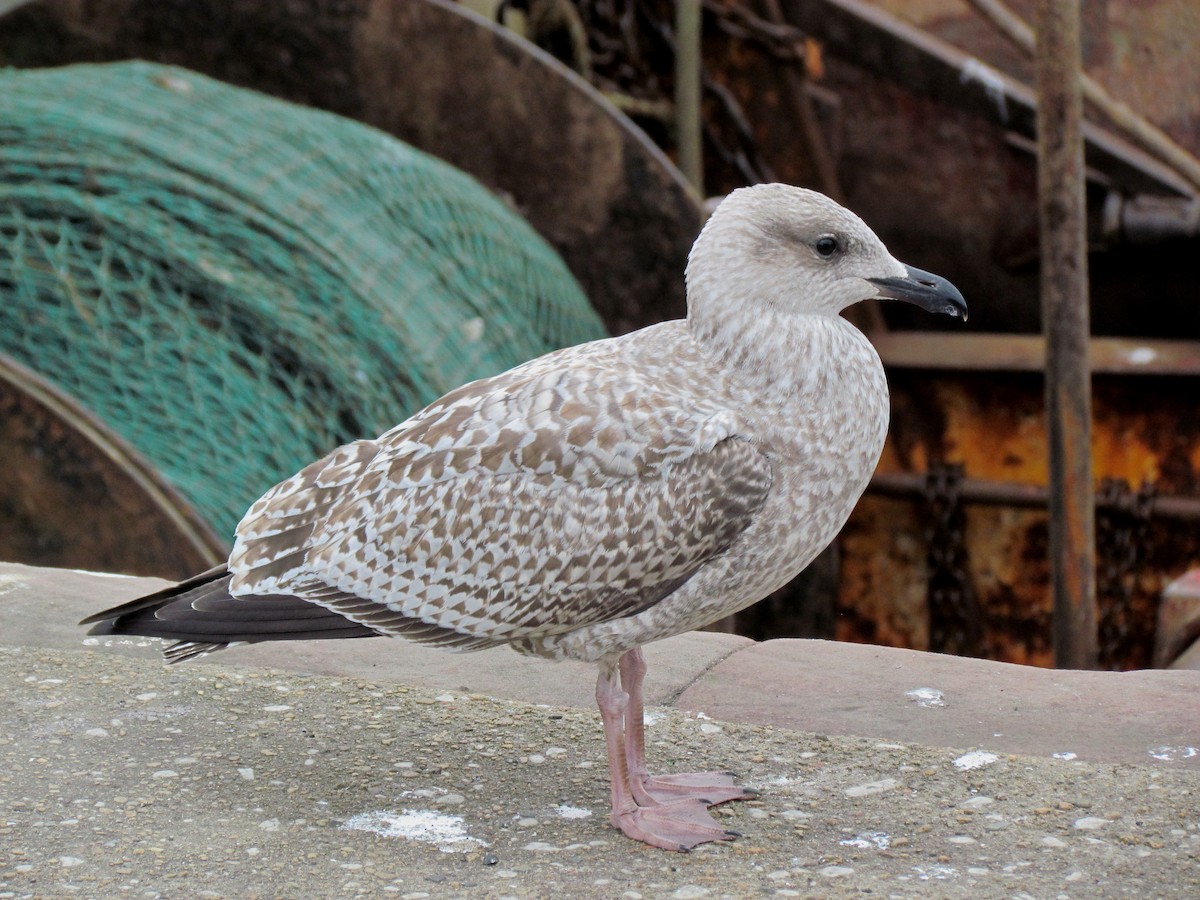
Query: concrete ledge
pixel 123 776
pixel 1148 717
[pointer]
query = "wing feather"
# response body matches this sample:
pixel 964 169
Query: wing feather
pixel 533 503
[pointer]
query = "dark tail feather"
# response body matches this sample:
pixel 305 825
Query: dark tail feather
pixel 150 601
pixel 202 616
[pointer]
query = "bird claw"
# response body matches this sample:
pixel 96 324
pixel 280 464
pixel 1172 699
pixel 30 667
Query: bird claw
pixel 679 825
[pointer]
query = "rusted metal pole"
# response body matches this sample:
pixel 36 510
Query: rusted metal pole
pixel 1064 287
pixel 687 92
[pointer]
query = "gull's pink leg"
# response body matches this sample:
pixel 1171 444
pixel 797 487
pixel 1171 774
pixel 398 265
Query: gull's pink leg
pixel 678 825
pixel 711 787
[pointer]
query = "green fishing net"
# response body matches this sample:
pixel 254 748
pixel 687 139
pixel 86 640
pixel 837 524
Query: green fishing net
pixel 236 284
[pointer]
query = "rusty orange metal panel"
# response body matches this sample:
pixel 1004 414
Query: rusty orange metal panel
pixel 992 422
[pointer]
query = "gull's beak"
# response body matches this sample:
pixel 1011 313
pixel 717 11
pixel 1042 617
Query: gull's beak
pixel 928 291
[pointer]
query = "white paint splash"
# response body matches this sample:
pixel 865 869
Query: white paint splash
pixel 447 833
pixel 121 642
pixel 567 811
pixel 1172 754
pixel 976 759
pixel 927 697
pixel 935 873
pixel 869 840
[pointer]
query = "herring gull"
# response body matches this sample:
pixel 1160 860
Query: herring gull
pixel 598 497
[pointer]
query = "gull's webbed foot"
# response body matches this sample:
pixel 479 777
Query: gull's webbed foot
pixel 679 825
pixel 711 787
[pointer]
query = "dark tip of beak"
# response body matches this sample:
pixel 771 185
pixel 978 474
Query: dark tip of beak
pixel 924 289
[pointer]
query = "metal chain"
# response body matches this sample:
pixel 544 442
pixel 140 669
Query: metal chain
pixel 955 619
pixel 1122 532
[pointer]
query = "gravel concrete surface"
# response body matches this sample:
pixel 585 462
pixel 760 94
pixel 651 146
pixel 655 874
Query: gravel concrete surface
pixel 1148 717
pixel 121 777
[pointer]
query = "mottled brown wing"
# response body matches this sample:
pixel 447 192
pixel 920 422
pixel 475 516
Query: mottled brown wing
pixel 277 532
pixel 507 558
pixel 528 505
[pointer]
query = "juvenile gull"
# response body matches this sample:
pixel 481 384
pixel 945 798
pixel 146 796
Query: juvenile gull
pixel 599 497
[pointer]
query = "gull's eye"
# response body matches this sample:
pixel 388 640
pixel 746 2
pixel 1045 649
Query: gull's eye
pixel 826 246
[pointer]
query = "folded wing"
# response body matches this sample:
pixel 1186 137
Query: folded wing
pixel 533 503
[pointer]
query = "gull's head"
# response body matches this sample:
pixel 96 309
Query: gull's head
pixel 774 246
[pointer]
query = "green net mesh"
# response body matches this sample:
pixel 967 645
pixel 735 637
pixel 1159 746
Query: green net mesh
pixel 236 284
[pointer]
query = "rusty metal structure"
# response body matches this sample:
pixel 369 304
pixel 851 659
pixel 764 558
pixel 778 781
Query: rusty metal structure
pixel 921 117
pixel 1062 212
pixel 926 126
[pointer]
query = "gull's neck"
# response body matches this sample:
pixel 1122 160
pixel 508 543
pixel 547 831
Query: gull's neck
pixel 781 357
